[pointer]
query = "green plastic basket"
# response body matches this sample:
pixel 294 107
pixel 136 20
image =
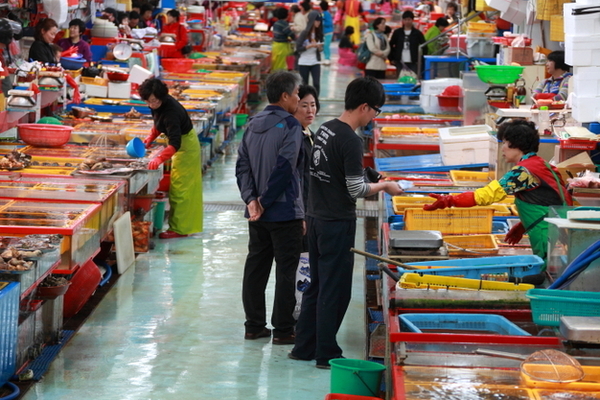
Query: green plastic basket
pixel 547 305
pixel 499 74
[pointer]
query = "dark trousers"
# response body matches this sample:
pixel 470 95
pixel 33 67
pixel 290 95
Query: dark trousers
pixel 268 240
pixel 326 300
pixel 375 73
pixel 314 71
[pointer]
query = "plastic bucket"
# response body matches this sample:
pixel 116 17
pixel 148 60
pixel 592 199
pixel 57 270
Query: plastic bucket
pixel 159 213
pixel 357 377
pixel 240 119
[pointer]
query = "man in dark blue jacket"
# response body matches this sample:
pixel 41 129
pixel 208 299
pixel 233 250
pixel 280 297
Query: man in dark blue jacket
pixel 268 172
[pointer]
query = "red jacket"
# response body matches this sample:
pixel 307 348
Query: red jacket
pixel 182 40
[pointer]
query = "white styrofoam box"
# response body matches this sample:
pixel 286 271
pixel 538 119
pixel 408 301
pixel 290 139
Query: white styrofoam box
pixel 466 144
pixel 437 86
pixel 516 13
pixel 580 25
pixel 585 81
pixel 119 90
pixel 582 50
pixel 588 2
pixel 139 74
pixel 430 103
pixel 585 109
pixel 96 90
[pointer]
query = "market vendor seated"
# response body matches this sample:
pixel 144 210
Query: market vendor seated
pixel 535 184
pixel 558 83
pixel 177 32
pixel 76 29
pixel 40 49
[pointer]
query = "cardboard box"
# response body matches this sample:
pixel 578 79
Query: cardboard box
pixel 574 165
pixel 520 55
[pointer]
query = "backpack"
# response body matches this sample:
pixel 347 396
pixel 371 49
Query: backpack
pixel 363 53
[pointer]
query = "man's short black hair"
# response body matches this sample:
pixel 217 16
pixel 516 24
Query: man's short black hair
pixel 324 5
pixel 442 22
pixel 153 86
pixel 364 90
pixel 146 7
pixel 281 82
pixel 79 23
pixel 174 13
pixel 306 5
pixel 281 13
pixel 305 90
pixel 408 14
pixel 134 15
pixel 520 134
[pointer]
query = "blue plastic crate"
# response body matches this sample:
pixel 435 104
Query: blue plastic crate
pixel 499 227
pixel 9 320
pixel 548 305
pixel 474 268
pixel 424 162
pixel 486 323
pixel 397 226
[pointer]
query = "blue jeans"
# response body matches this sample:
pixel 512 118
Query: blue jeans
pixel 326 44
pixel 311 70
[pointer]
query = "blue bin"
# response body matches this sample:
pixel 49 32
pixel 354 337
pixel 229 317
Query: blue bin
pixel 474 268
pixel 9 323
pixel 486 323
pixel 98 52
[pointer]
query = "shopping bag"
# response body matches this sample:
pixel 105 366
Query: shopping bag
pixel 302 281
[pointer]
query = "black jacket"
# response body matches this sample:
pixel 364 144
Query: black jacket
pixel 415 38
pixel 42 51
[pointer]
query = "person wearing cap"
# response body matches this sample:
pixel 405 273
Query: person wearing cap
pixel 309 45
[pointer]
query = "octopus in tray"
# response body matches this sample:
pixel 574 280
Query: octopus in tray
pixel 12 259
pixel 133 114
pixel 138 165
pixel 94 164
pixel 178 89
pixel 15 160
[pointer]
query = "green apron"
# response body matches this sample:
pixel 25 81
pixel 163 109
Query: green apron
pixel 185 193
pixel 532 217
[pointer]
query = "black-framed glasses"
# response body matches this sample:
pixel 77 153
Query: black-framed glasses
pixel 377 110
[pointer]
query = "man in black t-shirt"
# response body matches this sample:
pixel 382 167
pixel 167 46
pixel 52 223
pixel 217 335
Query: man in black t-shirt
pixel 336 181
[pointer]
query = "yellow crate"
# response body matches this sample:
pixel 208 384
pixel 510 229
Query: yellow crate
pixel 500 210
pixel 430 131
pixel 469 176
pixel 398 130
pixel 453 221
pixel 471 245
pixel 416 281
pixel 514 210
pixel 94 81
pixel 400 203
pixel 557 28
pixel 481 5
pixel 545 9
pixel 74 74
pixel 482 27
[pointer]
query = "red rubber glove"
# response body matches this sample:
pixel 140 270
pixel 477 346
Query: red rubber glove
pixel 69 52
pixel 163 156
pixel 466 199
pixel 515 234
pixel 76 94
pixel 154 133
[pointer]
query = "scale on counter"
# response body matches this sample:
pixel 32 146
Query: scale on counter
pixel 417 245
pixel 21 98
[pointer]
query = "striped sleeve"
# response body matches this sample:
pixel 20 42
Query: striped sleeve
pixel 357 187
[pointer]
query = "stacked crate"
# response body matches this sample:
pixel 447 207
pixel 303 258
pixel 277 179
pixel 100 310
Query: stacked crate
pixel 582 52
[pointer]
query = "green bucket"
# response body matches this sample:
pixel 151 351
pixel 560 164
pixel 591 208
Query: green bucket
pixel 159 213
pixel 356 377
pixel 240 119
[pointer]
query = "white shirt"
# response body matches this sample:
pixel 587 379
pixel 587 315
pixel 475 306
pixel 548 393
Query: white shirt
pixel 406 48
pixel 308 57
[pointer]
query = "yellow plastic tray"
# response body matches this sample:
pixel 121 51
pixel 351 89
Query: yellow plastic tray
pixel 453 221
pixel 469 176
pixel 416 281
pixel 472 245
pixel 400 203
pixel 590 382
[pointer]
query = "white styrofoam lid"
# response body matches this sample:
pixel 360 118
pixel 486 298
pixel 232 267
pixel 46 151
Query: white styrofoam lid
pixel 465 133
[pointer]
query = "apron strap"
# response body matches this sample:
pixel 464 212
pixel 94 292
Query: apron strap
pixel 560 187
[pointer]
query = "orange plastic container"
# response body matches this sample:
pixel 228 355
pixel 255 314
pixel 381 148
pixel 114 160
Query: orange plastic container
pixel 177 64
